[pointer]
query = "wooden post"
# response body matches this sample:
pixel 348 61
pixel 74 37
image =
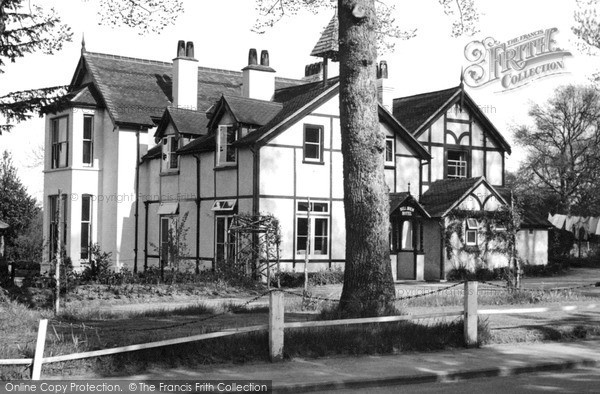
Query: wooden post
pixel 59 241
pixel 276 315
pixel 268 260
pixel 278 266
pixel 36 368
pixel 308 234
pixel 470 317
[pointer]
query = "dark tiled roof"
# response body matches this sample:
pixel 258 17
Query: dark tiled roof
pixel 305 95
pixel 285 94
pixel 153 153
pixel 396 199
pixel 533 220
pixel 187 121
pixel 405 198
pixel 328 45
pixel 206 143
pixel 413 111
pixel 86 95
pixel 136 91
pixel 529 219
pixel 442 194
pixel 411 141
pixel 252 111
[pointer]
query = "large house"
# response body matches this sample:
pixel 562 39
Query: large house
pixel 143 150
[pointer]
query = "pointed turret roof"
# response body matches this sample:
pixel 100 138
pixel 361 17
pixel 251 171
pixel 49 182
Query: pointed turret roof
pixel 328 44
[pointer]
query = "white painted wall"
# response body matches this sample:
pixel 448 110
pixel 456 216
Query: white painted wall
pixel 532 246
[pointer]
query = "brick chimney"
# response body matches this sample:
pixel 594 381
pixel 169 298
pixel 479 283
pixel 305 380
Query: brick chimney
pixel 185 77
pixel 385 89
pixel 258 79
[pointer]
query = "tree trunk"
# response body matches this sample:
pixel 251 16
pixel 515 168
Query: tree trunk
pixel 368 284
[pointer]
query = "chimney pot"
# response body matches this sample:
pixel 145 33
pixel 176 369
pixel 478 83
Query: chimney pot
pixel 264 58
pixel 307 70
pixel 189 49
pixel 252 57
pixel 180 48
pixel 383 69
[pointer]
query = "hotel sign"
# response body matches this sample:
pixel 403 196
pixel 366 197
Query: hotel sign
pixel 516 62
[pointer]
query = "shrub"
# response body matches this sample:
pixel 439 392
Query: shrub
pixel 99 267
pixel 320 278
pixel 326 277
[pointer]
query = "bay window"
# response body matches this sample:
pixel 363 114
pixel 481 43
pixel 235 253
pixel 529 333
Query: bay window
pixel 60 142
pixel 88 139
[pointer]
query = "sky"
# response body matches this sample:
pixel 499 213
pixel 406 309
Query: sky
pixel 221 32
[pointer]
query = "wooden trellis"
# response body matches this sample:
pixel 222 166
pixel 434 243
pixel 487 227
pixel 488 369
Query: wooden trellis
pixel 257 241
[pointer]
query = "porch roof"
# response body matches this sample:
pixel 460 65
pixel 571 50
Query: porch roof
pixel 443 194
pixel 406 199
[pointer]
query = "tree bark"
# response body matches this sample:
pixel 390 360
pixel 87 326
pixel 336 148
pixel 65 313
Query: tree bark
pixel 368 284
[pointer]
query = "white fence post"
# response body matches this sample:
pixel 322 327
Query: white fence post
pixel 470 317
pixel 36 369
pixel 276 315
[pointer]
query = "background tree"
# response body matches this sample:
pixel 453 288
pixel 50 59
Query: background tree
pixel 587 28
pixel 145 16
pixel 27 28
pixel 368 284
pixel 19 210
pixel 563 161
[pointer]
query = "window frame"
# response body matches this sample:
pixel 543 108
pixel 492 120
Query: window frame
pixel 89 141
pixel 170 144
pixel 223 151
pixel 457 165
pixel 322 215
pixel 319 144
pixel 228 243
pixel 53 221
pixel 85 249
pixel 57 144
pixel 392 162
pixel 471 227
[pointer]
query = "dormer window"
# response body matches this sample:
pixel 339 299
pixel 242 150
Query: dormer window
pixel 225 150
pixel 170 157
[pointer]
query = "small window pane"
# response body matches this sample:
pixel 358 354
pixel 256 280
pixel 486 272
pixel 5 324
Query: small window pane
pixel 85 208
pixel 389 150
pixel 87 127
pixel 87 152
pixel 312 135
pixel 320 207
pixel 471 237
pixel 311 151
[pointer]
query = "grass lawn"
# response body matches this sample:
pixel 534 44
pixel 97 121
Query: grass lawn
pixel 106 321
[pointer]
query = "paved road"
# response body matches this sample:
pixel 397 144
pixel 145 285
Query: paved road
pixel 580 380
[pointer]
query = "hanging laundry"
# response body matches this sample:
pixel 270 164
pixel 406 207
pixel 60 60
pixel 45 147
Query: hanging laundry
pixel 558 221
pixel 593 225
pixel 583 229
pixel 570 223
